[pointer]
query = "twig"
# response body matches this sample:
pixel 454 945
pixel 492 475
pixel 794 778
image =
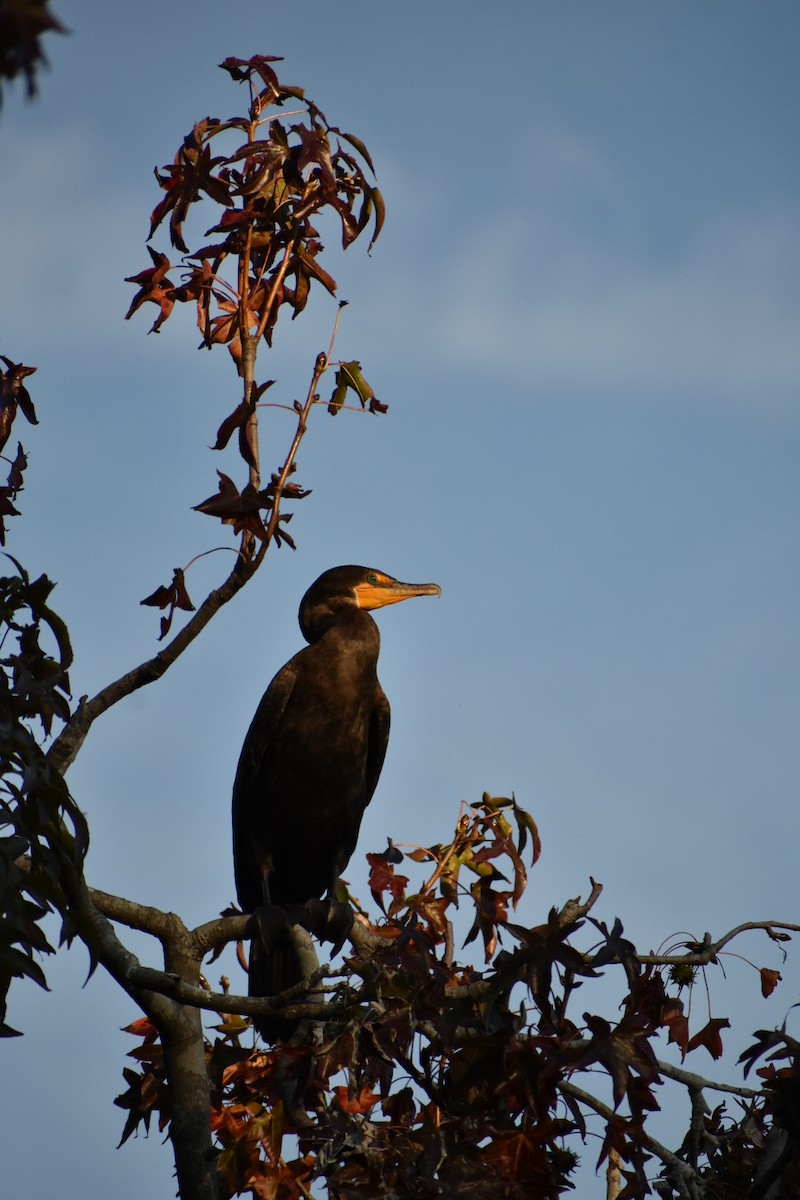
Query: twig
pixel 319 368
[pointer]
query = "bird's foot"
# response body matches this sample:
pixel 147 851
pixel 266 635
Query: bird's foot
pixel 269 924
pixel 329 921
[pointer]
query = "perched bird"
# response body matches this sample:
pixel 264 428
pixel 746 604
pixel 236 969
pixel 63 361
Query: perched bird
pixel 308 768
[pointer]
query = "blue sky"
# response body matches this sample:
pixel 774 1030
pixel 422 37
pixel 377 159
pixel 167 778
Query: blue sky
pixel 583 314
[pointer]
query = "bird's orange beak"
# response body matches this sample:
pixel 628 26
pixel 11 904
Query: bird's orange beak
pixel 379 590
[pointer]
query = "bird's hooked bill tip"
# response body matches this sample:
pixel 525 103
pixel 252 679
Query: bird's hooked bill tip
pixel 422 589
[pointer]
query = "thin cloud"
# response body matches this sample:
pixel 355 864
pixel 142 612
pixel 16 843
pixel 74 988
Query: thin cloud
pixel 581 275
pixel 719 315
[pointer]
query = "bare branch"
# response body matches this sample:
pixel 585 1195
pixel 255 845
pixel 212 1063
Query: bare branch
pixel 65 748
pixel 103 907
pixel 691 1080
pixel 105 947
pixel 682 1174
pixel 159 924
pixel 176 988
pixel 710 950
pixel 573 910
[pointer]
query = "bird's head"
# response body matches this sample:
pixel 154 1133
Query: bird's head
pixel 346 588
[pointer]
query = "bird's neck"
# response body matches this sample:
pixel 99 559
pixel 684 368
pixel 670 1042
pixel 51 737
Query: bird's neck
pixel 355 634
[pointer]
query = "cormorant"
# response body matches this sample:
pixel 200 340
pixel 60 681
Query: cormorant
pixel 309 766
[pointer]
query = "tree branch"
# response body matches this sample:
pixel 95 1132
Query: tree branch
pixel 691 1080
pixel 97 909
pixel 65 748
pixel 682 1174
pixel 143 917
pixel 100 938
pixel 710 950
pixel 573 910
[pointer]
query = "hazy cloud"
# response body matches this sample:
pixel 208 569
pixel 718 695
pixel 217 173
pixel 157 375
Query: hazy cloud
pixel 583 288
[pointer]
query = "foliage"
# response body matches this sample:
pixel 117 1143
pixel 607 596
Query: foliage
pixel 22 24
pixel 14 398
pixel 428 1077
pixel 44 830
pixel 269 187
pixel 266 180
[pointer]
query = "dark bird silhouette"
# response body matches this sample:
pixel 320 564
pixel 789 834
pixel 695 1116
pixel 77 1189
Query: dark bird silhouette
pixel 308 768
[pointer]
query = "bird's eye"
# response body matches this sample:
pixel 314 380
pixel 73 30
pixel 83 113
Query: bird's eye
pixel 372 578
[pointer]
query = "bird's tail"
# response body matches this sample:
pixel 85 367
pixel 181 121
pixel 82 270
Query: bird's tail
pixel 272 969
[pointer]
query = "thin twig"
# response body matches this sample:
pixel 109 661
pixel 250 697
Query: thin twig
pixel 319 368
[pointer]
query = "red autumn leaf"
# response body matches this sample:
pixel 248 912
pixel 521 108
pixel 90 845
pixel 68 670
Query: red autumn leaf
pixel 769 980
pixel 240 69
pixel 383 879
pixel 237 419
pixel 154 286
pixel 433 911
pixel 314 150
pixel 493 905
pixel 672 1016
pixel 175 594
pixel 621 1050
pixel 143 1027
pixel 391 853
pixel 519 1159
pixel 187 179
pixel 357 143
pixel 242 510
pixel 400 1108
pixel 226 504
pixel 13 395
pixel 361 1102
pixel 8 493
pixel 172 597
pixel 709 1036
pixel 313 267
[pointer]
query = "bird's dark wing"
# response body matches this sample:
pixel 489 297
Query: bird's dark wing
pixel 246 797
pixel 378 741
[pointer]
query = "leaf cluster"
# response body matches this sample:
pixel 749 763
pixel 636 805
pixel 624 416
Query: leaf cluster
pixel 41 827
pixel 22 26
pixel 270 186
pixel 267 176
pixel 430 1077
pixel 14 398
